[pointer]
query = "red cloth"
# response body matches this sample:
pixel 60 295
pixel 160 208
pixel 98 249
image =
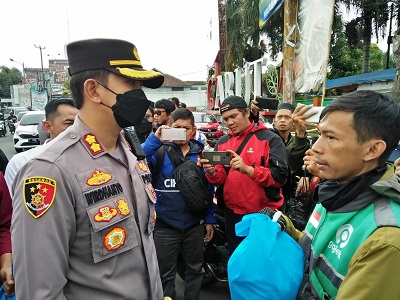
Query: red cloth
pixel 5 217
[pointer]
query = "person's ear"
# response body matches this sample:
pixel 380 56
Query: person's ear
pixel 47 126
pixel 91 90
pixel 374 149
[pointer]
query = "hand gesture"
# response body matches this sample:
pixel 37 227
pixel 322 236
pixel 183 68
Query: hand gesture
pixel 238 164
pixel 309 163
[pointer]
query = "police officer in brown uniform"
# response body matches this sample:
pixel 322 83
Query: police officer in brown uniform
pixel 83 216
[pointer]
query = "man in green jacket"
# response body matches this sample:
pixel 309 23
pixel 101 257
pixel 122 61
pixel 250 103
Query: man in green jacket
pixel 352 239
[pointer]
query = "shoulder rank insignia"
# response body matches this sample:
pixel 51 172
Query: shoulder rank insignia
pixel 92 144
pixel 98 178
pixel 39 193
pixel 114 239
pixel 142 166
pixel 105 214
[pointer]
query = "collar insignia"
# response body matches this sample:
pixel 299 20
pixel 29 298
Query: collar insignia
pixel 114 239
pixel 98 178
pixel 105 214
pixel 39 193
pixel 123 207
pixel 92 144
pixel 142 166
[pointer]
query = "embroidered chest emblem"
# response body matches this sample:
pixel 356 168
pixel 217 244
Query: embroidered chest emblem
pixel 39 193
pixel 92 144
pixel 98 178
pixel 142 166
pixel 114 239
pixel 105 214
pixel 123 207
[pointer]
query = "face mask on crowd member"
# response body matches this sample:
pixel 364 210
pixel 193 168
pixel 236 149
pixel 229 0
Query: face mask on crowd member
pixel 146 126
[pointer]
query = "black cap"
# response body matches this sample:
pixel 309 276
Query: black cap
pixel 286 106
pixel 168 105
pixel 232 102
pixel 117 56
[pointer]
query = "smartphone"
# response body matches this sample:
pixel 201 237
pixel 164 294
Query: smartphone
pixel 267 103
pixel 173 134
pixel 315 118
pixel 394 155
pixel 217 157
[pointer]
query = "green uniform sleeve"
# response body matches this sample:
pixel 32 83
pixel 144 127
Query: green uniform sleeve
pixel 296 150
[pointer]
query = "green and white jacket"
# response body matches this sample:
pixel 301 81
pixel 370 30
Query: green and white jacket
pixel 351 253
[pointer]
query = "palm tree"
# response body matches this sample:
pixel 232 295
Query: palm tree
pixel 374 16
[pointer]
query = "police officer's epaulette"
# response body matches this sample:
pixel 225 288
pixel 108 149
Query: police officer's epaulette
pixel 52 151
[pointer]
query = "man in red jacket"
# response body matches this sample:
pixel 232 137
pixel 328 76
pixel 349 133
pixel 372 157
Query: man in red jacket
pixel 253 180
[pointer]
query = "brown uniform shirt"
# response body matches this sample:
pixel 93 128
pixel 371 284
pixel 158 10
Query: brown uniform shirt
pixel 83 223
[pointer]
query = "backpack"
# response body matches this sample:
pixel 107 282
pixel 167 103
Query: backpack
pixel 189 179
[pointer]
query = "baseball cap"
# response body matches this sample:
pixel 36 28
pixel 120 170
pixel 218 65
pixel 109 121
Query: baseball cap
pixel 232 102
pixel 117 56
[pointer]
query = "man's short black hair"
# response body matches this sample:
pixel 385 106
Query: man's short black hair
pixel 165 104
pixel 176 101
pixel 77 81
pixel 52 106
pixel 182 114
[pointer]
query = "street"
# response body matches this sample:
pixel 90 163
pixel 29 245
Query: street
pixel 218 291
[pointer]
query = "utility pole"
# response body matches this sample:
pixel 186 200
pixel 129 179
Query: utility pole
pixel 289 20
pixel 41 60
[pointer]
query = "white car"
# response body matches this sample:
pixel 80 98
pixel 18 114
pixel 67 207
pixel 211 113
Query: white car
pixel 26 134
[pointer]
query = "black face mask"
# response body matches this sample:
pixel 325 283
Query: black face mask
pixel 130 107
pixel 144 128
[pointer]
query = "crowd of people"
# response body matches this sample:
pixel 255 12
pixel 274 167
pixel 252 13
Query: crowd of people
pixel 84 216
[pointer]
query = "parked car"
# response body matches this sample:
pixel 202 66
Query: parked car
pixel 26 134
pixel 207 124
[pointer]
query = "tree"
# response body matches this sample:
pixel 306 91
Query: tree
pixel 8 77
pixel 66 89
pixel 396 54
pixel 374 16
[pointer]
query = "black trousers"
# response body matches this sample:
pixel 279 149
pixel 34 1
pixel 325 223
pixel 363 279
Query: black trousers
pixel 230 221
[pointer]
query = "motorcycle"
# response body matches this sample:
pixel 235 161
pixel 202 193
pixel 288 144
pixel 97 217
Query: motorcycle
pixel 299 208
pixel 216 255
pixel 11 124
pixel 3 129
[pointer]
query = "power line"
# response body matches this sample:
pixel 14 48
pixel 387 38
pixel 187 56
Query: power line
pixel 192 73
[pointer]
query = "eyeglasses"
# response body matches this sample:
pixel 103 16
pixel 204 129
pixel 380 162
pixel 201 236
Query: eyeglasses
pixel 158 112
pixel 147 116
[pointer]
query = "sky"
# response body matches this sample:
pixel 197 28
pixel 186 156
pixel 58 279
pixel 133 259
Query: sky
pixel 170 35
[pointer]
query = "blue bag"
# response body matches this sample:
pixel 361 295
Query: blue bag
pixel 268 263
pixel 4 297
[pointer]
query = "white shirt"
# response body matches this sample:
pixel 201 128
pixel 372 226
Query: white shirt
pixel 17 162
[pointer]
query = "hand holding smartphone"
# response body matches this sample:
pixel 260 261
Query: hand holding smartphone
pixel 267 103
pixel 173 134
pixel 218 157
pixel 315 118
